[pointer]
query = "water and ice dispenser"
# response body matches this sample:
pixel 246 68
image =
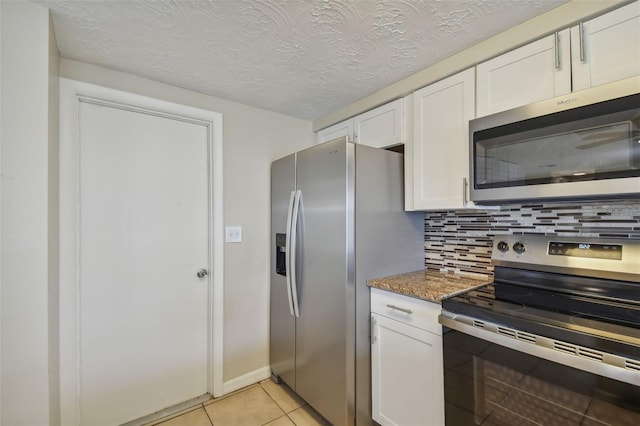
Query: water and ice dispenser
pixel 281 250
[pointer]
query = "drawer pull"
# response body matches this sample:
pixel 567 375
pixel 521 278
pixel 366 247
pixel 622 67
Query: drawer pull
pixel 397 308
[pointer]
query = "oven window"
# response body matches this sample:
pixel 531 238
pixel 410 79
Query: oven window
pixel 488 384
pixel 551 149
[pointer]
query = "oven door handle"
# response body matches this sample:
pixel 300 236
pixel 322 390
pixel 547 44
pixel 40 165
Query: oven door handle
pixel 590 360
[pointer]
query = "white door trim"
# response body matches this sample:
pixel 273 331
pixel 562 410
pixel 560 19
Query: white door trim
pixel 71 94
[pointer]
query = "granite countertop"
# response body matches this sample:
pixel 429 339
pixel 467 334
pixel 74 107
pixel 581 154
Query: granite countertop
pixel 428 285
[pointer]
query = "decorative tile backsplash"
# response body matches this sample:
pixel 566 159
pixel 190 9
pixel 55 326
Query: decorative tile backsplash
pixel 461 241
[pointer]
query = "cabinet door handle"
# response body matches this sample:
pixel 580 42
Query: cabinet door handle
pixel 581 38
pixel 398 308
pixel 464 191
pixel 557 39
pixel 373 324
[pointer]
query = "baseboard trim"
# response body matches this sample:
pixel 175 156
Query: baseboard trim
pixel 246 379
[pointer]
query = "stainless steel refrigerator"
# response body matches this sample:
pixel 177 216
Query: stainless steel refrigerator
pixel 337 220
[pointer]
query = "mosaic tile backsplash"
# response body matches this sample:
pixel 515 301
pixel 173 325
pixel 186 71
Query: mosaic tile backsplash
pixel 461 241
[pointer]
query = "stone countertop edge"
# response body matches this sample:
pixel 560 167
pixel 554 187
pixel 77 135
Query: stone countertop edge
pixel 431 286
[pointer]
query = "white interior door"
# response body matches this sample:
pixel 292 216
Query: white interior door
pixel 143 235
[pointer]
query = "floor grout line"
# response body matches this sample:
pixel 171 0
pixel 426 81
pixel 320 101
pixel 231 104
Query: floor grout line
pixel 230 394
pixel 275 402
pixel 273 399
pixel 290 419
pixel 238 392
pixel 208 416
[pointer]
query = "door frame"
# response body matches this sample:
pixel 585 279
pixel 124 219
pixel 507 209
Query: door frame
pixel 72 93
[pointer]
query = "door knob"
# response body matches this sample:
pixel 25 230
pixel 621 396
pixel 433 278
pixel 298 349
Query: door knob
pixel 202 273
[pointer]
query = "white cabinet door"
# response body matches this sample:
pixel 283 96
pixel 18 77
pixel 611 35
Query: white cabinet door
pixel 440 143
pixel 534 72
pixel 381 127
pixel 344 128
pixel 608 48
pixel 407 375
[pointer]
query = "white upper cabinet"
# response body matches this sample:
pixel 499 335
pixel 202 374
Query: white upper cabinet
pixel 531 73
pixel 381 127
pixel 344 128
pixel 606 48
pixel 599 51
pixel 439 150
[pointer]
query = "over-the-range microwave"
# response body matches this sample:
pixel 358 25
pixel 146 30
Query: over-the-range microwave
pixel 584 145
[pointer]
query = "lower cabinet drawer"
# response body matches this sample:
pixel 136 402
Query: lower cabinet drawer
pixel 409 310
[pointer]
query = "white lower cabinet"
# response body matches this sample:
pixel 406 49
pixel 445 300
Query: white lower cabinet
pixel 406 361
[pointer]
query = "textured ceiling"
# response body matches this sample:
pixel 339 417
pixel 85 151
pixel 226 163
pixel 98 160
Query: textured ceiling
pixel 303 58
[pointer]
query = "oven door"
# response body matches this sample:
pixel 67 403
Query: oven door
pixel 490 384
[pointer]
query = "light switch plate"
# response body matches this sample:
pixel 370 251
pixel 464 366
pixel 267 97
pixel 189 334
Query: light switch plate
pixel 233 234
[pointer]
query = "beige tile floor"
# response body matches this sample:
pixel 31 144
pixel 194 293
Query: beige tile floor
pixel 264 403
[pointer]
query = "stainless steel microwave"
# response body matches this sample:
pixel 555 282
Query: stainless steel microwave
pixel 584 145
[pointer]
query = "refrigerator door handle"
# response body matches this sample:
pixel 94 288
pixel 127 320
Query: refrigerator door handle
pixel 293 258
pixel 287 255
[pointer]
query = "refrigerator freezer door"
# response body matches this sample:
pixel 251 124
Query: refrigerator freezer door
pixel 325 279
pixel 282 322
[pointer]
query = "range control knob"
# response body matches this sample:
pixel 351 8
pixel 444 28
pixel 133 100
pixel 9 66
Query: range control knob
pixel 519 247
pixel 503 246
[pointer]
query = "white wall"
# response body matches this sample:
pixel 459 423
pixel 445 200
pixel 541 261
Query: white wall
pixel 28 242
pixel 253 138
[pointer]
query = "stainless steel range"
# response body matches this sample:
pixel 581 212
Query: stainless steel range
pixel 555 339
